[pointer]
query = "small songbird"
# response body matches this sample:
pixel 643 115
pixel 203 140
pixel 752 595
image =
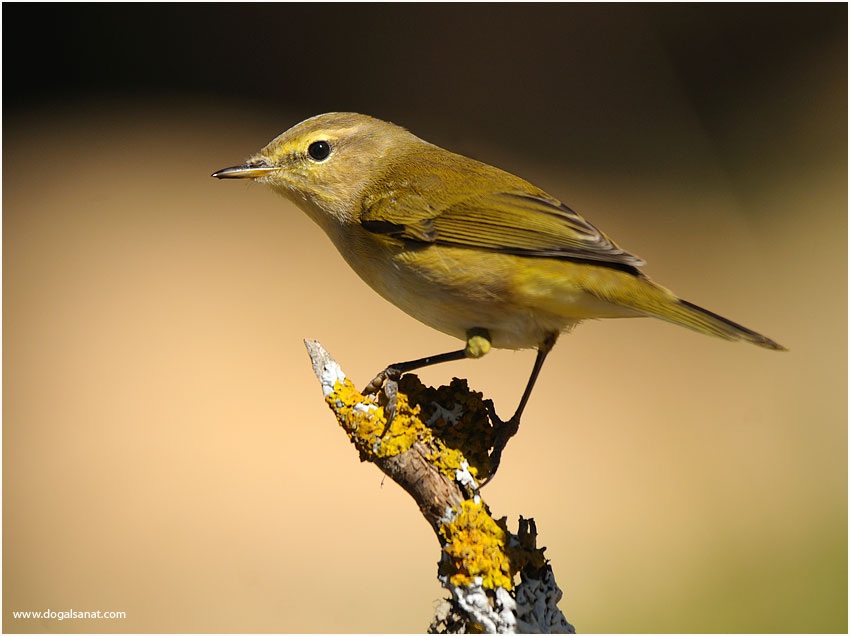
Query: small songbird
pixel 466 248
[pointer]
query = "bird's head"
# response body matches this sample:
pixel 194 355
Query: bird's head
pixel 326 163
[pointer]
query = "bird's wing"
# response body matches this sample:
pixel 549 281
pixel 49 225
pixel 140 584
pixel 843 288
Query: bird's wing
pixel 515 222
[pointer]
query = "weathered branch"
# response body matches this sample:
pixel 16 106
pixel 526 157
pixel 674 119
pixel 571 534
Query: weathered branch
pixel 436 448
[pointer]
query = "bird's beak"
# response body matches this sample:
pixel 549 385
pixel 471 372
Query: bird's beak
pixel 252 170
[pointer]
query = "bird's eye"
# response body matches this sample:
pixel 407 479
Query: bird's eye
pixel 319 150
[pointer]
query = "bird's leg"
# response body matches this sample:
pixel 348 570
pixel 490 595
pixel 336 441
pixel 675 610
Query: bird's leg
pixel 393 372
pixel 477 344
pixel 508 429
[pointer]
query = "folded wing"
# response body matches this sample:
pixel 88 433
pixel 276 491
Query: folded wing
pixel 513 222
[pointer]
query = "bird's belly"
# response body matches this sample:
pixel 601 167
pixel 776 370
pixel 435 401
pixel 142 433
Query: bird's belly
pixel 519 300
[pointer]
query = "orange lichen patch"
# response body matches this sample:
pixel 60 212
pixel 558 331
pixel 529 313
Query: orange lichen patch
pixel 475 549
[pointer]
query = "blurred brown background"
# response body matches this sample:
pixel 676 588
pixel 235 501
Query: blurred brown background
pixel 166 449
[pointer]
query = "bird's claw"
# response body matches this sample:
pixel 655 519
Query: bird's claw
pixel 391 391
pixel 388 381
pixel 390 374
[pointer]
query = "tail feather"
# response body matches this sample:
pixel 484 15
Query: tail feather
pixel 706 321
pixel 651 299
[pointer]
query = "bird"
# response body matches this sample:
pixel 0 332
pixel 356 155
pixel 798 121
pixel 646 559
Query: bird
pixel 462 246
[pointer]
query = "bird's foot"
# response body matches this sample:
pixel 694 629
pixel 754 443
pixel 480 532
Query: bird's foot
pixel 388 381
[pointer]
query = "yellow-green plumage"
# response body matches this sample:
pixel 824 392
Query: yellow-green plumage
pixel 461 245
pixel 464 247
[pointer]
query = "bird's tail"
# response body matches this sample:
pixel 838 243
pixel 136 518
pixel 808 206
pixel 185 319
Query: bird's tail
pixel 695 317
pixel 651 299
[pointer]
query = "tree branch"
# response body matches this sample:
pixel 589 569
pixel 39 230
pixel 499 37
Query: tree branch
pixel 436 448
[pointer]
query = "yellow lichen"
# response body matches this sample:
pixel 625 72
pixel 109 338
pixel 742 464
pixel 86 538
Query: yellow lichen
pixel 475 546
pixel 453 423
pixel 453 443
pixel 365 421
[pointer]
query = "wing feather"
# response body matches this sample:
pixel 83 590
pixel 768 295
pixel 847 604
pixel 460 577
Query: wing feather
pixel 516 222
